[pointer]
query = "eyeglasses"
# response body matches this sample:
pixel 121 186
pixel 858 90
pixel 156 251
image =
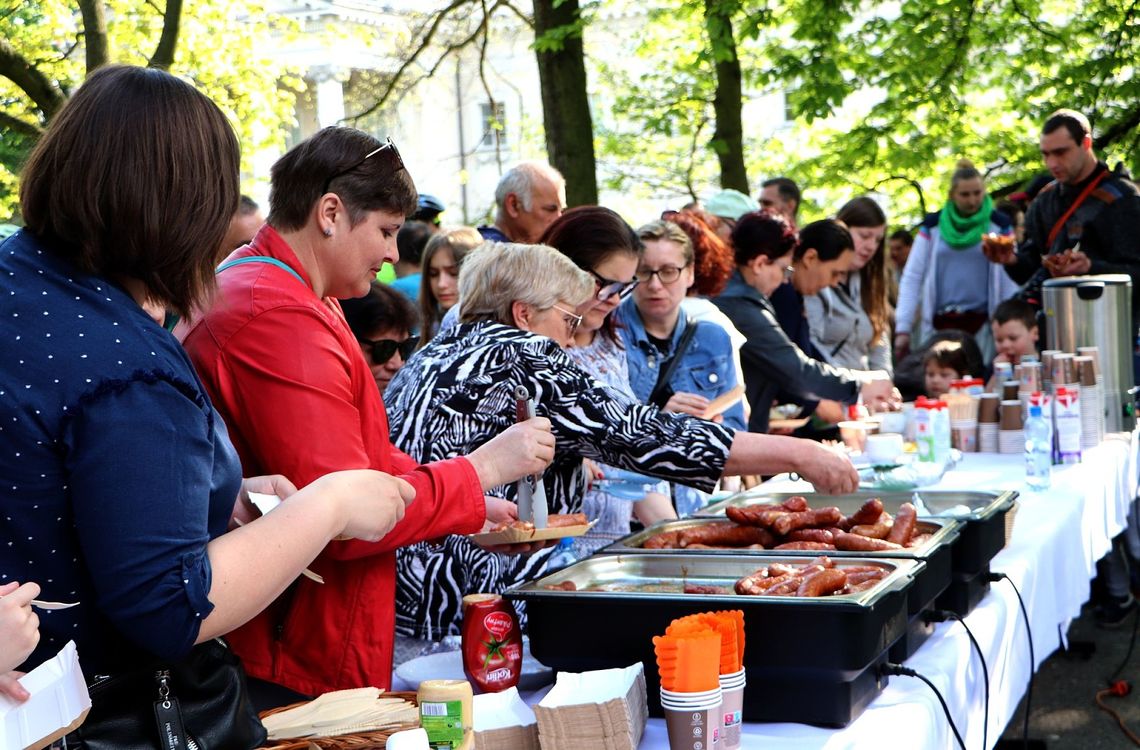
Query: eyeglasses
pixel 572 320
pixel 667 274
pixel 382 350
pixel 395 162
pixel 789 271
pixel 608 287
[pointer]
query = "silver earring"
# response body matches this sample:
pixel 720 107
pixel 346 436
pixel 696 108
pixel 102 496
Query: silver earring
pixel 328 232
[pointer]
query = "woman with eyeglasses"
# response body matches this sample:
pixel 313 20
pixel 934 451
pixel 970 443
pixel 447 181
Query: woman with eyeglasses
pixel 516 317
pixel 676 363
pixel 604 246
pixel 382 322
pixel 299 398
pixel 766 249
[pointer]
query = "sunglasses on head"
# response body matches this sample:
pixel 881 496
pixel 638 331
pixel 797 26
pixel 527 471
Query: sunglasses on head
pixel 382 350
pixel 608 287
pixel 395 162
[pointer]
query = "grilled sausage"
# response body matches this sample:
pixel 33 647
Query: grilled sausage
pixel 860 543
pixel 664 540
pixel 903 528
pixel 877 530
pixel 795 546
pixel 824 582
pixel 869 513
pixel 787 522
pixel 809 535
pixel 724 534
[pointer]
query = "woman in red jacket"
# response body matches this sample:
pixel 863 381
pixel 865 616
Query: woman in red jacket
pixel 288 376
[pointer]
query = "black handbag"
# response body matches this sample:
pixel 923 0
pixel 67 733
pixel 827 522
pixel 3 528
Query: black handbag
pixel 662 391
pixel 198 703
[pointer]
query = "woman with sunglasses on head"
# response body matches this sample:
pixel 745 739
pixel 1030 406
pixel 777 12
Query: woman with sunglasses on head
pixel 299 398
pixel 766 249
pixel 517 315
pixel 439 279
pixel 604 246
pixel 382 322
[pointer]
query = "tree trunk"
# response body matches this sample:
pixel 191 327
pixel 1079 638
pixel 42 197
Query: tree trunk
pixel 16 68
pixel 94 33
pixel 565 106
pixel 728 137
pixel 163 56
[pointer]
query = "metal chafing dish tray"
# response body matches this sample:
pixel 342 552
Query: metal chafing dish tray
pixel 928 585
pixel 982 513
pixel 809 660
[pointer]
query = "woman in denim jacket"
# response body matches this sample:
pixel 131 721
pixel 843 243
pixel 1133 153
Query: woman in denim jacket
pixel 652 329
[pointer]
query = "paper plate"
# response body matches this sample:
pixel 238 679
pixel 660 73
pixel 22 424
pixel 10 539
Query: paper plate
pixel 448 665
pixel 515 536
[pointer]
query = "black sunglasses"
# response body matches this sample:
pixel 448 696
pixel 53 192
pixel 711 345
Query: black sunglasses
pixel 382 349
pixel 395 162
pixel 608 287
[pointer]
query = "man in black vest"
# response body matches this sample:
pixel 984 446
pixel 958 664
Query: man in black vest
pixel 1087 221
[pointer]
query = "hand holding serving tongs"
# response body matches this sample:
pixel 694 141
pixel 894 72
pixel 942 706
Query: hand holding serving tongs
pixel 531 491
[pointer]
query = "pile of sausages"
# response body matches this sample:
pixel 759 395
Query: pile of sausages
pixel 820 577
pixel 792 525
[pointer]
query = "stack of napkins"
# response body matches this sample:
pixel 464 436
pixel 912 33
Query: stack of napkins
pixel 503 721
pixel 601 710
pixel 341 712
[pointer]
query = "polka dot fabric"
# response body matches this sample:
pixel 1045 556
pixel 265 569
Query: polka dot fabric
pixel 115 470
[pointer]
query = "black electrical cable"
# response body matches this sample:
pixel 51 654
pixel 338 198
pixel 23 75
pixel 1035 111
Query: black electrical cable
pixel 1128 656
pixel 899 669
pixel 994 578
pixel 941 615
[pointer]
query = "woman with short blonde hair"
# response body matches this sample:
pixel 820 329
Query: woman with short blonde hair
pixel 503 273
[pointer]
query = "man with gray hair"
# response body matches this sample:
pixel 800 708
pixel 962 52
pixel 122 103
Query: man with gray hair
pixel 530 196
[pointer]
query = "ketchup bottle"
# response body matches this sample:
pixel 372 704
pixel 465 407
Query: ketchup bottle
pixel 492 643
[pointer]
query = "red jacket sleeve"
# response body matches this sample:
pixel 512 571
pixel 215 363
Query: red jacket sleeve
pixel 285 386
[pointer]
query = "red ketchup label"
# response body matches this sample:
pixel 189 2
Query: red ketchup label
pixel 492 643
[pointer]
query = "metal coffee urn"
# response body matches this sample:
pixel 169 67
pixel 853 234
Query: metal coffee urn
pixel 1096 311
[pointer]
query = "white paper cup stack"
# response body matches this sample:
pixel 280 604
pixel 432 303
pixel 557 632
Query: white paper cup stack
pixel 1092 404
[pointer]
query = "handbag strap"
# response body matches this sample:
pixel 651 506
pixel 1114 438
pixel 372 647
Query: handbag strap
pixel 1076 204
pixel 667 373
pixel 260 259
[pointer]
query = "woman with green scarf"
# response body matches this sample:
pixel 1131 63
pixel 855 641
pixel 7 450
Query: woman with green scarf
pixel 947 282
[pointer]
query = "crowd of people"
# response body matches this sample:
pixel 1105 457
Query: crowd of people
pixel 385 415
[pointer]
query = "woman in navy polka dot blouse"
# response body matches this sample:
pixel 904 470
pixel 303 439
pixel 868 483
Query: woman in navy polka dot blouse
pixel 118 478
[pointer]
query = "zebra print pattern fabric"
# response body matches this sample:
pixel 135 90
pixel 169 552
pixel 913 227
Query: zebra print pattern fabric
pixel 457 393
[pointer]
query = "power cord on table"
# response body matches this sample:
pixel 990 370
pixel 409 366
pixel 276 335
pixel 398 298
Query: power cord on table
pixel 994 578
pixel 900 670
pixel 942 615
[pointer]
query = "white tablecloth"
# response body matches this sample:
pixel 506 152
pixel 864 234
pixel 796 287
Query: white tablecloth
pixel 1058 535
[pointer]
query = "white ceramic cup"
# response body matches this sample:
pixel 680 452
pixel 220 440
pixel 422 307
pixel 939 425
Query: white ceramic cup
pixel 884 448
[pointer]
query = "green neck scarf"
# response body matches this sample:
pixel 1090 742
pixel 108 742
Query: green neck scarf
pixel 961 232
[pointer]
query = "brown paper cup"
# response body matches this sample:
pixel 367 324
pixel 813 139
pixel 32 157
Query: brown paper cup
pixel 1030 376
pixel 989 408
pixel 731 709
pixel 1009 389
pixel 1011 414
pixel 1086 371
pixel 1063 369
pixel 693 728
pixel 1094 353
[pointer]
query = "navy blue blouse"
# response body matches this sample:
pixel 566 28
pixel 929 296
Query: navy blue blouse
pixel 115 469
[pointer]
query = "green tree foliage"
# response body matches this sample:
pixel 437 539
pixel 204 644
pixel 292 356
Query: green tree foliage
pixel 884 97
pixel 47 48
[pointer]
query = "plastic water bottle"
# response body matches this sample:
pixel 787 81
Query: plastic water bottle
pixel 1038 450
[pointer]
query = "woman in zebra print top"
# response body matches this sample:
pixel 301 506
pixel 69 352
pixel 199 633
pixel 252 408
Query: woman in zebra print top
pixel 516 304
